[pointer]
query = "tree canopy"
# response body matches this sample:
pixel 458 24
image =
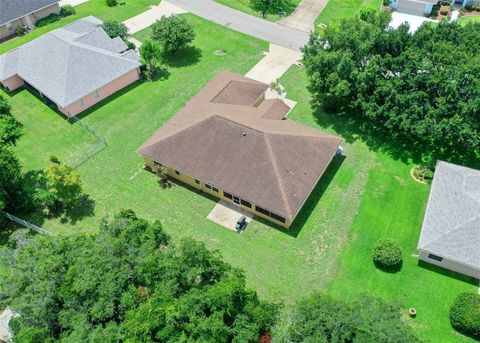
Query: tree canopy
pixel 271 6
pixel 115 28
pixel 319 318
pixel 421 88
pixel 128 283
pixel 10 128
pixel 173 32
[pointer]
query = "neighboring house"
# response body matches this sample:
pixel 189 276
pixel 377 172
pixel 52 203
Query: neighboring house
pixel 231 142
pixel 450 235
pixel 20 13
pixel 417 7
pixel 73 67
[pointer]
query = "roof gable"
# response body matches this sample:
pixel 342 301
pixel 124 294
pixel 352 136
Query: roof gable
pixel 451 226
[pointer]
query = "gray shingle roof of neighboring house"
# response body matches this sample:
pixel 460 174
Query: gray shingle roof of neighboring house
pixel 70 63
pixel 451 227
pixel 221 138
pixel 14 9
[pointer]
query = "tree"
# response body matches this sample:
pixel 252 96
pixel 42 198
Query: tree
pixel 150 52
pixel 173 32
pixel 115 28
pixel 11 180
pixel 320 318
pixel 128 283
pixel 271 6
pixel 58 186
pixel 420 89
pixel 10 129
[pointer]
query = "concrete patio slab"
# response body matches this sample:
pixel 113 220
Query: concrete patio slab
pixel 147 18
pixel 227 214
pixel 275 63
pixel 415 21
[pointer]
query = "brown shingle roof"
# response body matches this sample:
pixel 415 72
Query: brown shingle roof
pixel 274 109
pixel 240 93
pixel 272 163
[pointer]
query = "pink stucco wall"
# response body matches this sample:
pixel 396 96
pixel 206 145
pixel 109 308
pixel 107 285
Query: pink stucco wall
pixel 13 82
pixel 105 91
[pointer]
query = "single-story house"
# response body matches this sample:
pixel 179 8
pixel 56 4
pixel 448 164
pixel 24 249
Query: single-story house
pixel 73 67
pixel 21 13
pixel 5 331
pixel 231 142
pixel 450 236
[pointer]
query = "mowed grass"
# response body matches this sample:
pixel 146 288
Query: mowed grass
pixel 469 19
pixel 337 10
pixel 244 6
pixel 392 206
pixel 96 8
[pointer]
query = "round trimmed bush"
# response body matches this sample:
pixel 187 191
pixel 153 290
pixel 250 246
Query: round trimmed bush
pixel 465 314
pixel 387 255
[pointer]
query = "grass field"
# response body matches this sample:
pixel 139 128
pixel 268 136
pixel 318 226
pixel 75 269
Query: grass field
pixel 337 10
pixel 244 6
pixel 391 206
pixel 469 19
pixel 97 8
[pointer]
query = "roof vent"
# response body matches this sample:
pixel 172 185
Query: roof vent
pixel 305 172
pixel 244 134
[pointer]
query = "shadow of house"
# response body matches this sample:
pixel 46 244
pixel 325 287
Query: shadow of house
pixel 445 272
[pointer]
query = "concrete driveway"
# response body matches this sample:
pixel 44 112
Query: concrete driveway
pixel 147 18
pixel 275 33
pixel 227 214
pixel 415 21
pixel 303 18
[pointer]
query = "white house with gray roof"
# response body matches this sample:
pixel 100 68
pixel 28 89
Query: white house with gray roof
pixel 24 13
pixel 73 67
pixel 450 235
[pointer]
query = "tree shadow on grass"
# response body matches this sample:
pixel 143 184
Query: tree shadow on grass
pixel 183 58
pixel 353 128
pixel 311 201
pixel 445 272
pixel 390 270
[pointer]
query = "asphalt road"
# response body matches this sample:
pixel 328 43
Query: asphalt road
pixel 275 33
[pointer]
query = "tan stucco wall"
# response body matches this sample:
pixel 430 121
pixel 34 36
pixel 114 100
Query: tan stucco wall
pixel 451 265
pixel 13 83
pixel 191 182
pixel 55 8
pixel 103 92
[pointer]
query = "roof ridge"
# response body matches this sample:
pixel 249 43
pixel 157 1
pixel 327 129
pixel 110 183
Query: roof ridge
pixel 278 175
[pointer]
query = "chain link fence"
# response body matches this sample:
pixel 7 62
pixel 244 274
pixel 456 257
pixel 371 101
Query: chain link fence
pixel 26 224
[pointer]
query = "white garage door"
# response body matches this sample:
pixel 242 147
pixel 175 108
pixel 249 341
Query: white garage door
pixel 411 7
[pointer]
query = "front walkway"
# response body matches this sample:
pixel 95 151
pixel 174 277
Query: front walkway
pixel 227 214
pixel 275 63
pixel 304 16
pixel 147 18
pixel 72 2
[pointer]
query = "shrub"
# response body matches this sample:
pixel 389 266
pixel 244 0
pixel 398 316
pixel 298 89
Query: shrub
pixel 51 18
pixel 387 255
pixel 67 10
pixel 115 28
pixel 465 314
pixel 173 32
pixel 130 45
pixel 444 12
pixel 387 2
pixel 445 3
pixel 112 3
pixel 20 31
pixel 469 7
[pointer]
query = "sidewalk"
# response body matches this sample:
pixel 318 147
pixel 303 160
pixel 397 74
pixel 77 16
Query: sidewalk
pixel 304 16
pixel 147 18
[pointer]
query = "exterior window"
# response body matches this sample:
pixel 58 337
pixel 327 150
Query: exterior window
pixel 157 164
pixel 197 181
pixel 9 27
pixel 246 203
pixel 277 217
pixel 435 257
pixel 177 172
pixel 227 195
pixel 215 189
pixel 97 95
pixel 82 104
pixel 262 210
pixel 208 186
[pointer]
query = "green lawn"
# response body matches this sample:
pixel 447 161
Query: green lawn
pixel 391 205
pixel 96 8
pixel 337 10
pixel 469 19
pixel 244 6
